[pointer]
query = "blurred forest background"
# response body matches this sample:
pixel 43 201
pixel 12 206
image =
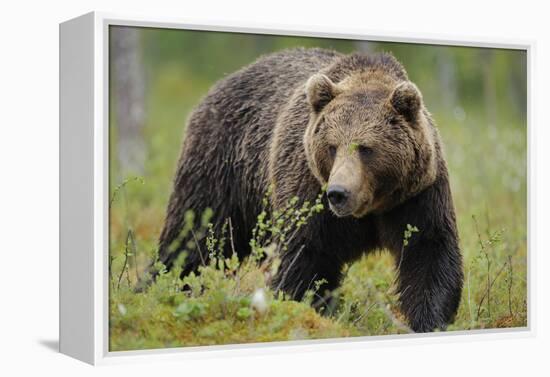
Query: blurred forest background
pixel 478 98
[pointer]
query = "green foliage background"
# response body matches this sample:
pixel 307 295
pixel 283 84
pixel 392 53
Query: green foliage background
pixel 478 99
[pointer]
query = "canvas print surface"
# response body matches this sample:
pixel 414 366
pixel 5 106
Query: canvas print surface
pixel 272 188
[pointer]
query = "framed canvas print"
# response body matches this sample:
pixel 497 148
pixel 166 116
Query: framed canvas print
pixel 226 188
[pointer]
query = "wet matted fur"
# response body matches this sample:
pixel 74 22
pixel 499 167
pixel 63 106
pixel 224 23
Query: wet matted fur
pixel 299 119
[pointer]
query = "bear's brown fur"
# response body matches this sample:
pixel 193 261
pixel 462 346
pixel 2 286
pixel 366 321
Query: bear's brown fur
pixel 300 119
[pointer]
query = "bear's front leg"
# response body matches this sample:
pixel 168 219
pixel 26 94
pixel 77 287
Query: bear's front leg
pixel 429 281
pixel 429 263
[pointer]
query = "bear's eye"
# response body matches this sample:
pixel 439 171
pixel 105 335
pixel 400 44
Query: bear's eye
pixel 332 151
pixel 364 151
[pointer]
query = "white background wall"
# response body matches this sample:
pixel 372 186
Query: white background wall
pixel 29 184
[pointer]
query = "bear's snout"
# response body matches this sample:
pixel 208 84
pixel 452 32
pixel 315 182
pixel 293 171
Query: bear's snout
pixel 337 196
pixel 346 185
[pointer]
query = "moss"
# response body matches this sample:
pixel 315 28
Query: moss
pixel 147 323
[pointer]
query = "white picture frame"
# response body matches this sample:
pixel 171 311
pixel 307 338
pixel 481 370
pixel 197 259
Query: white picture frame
pixel 84 164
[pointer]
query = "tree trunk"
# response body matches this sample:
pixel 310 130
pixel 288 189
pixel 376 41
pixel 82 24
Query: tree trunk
pixel 129 91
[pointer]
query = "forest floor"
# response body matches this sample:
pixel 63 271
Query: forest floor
pixel 230 303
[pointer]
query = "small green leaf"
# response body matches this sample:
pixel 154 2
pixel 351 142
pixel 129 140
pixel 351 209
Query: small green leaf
pixel 353 147
pixel 244 313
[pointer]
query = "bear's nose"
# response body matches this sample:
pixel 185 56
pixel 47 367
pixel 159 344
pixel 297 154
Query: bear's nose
pixel 337 195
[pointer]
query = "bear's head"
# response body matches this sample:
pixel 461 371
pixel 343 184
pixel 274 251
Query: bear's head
pixel 369 140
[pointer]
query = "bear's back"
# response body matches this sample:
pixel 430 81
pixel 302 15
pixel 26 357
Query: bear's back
pixel 266 84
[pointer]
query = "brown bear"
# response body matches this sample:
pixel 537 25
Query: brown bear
pixel 303 119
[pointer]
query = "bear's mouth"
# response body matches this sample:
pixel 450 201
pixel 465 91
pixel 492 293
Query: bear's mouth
pixel 339 212
pixel 361 211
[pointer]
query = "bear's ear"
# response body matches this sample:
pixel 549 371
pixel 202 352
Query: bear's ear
pixel 320 90
pixel 407 100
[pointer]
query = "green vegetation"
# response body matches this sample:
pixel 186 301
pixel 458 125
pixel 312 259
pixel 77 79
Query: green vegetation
pixel 227 301
pixel 477 98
